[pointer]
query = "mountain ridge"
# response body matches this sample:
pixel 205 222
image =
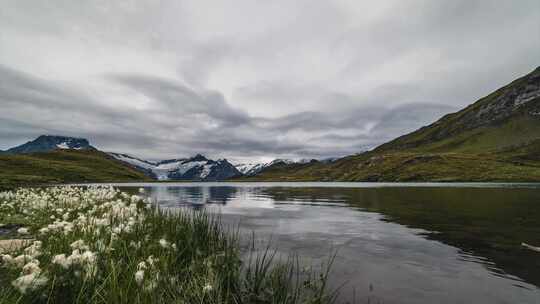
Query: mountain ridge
pixel 196 168
pixel 46 143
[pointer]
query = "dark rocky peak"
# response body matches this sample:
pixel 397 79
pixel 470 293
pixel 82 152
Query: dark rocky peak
pixel 46 143
pixel 198 157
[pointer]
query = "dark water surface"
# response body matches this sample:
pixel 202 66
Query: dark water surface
pixel 396 243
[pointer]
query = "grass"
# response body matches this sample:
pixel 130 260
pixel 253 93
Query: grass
pixel 63 166
pixel 99 245
pixel 410 166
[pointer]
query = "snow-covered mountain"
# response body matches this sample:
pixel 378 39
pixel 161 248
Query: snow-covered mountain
pixel 250 169
pixel 46 143
pixel 140 164
pixel 197 168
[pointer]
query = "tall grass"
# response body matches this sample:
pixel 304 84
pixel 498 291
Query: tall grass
pixel 99 245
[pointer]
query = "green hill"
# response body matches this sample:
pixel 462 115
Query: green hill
pixel 64 166
pixel 496 138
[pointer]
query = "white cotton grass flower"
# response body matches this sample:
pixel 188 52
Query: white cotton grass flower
pixel 164 243
pixel 141 190
pixel 21 260
pixel 139 277
pixel 34 250
pixel 7 259
pixel 31 267
pixel 28 282
pixel 207 287
pixel 142 266
pixel 135 198
pixel 79 244
pixel 23 230
pixel 60 259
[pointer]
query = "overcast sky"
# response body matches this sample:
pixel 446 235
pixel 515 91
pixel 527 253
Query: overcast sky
pixel 252 80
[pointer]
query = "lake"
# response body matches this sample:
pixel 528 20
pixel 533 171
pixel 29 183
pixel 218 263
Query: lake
pixel 395 243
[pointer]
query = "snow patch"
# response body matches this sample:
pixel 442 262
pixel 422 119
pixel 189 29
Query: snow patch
pixel 63 145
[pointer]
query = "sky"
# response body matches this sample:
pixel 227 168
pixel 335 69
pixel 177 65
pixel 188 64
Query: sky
pixel 252 80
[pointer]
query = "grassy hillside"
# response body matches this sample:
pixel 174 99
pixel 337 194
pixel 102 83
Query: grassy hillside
pixel 495 139
pixel 61 166
pixel 504 118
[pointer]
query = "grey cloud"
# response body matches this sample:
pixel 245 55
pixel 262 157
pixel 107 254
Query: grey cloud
pixel 248 80
pixel 179 99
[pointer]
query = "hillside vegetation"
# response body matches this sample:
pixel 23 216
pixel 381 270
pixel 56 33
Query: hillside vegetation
pixel 64 166
pixel 495 139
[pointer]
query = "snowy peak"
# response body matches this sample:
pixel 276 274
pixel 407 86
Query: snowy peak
pixel 47 143
pixel 197 168
pixel 250 169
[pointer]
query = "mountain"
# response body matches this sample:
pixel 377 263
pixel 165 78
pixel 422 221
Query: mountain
pixel 507 117
pixel 47 143
pixel 497 138
pixel 64 166
pixel 197 168
pixel 139 164
pixel 251 169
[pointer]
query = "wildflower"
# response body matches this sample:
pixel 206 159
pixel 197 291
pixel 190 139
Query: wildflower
pixel 61 260
pixel 151 260
pixel 164 243
pixel 34 250
pixel 141 266
pixel 7 259
pixel 44 230
pixel 21 260
pixel 79 244
pixel 141 190
pixel 22 230
pixel 139 276
pixel 31 267
pixel 30 281
pixel 135 198
pixel 207 288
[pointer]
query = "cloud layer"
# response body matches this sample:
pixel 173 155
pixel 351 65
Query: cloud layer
pixel 254 80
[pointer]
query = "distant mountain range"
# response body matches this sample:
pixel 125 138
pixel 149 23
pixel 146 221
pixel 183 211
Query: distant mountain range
pixel 197 168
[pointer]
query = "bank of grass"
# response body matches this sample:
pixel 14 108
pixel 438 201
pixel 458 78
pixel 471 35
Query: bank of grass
pixel 99 245
pixel 63 166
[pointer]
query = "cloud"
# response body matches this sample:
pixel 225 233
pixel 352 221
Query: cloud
pixel 252 80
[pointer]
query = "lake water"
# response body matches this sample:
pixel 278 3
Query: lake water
pixel 396 243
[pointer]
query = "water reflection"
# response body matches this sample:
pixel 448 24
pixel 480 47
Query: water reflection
pixel 412 245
